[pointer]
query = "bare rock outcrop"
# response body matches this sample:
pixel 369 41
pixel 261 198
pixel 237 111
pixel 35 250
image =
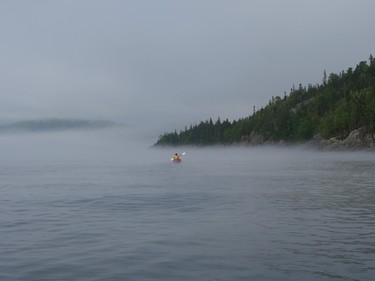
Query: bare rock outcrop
pixel 359 138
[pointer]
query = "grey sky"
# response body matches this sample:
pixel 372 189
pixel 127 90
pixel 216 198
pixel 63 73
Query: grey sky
pixel 167 64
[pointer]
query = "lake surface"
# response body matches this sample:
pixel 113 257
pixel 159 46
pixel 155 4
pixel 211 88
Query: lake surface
pixel 128 213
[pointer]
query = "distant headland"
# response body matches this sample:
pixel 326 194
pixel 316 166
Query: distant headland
pixel 338 114
pixel 54 125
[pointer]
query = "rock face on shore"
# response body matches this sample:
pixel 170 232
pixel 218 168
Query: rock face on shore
pixel 252 139
pixel 358 139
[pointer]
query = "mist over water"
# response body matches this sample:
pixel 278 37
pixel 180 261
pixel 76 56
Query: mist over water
pixel 103 205
pixel 74 145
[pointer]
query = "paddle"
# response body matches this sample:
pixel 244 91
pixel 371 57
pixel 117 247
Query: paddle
pixel 182 154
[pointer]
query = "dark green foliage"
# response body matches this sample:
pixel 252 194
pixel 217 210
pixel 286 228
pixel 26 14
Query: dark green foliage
pixel 342 103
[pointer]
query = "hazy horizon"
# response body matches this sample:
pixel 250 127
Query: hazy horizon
pixel 162 65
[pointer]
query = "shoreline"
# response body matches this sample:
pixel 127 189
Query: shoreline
pixel 358 140
pixel 306 145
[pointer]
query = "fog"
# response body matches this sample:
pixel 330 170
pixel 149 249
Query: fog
pixel 161 65
pixel 112 144
pixel 131 146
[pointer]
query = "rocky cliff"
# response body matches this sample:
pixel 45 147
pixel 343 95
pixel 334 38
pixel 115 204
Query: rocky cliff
pixel 358 139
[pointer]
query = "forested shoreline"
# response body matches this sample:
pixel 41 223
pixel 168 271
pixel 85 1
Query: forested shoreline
pixel 342 103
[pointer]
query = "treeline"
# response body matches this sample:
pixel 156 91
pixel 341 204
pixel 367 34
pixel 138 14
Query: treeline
pixel 341 103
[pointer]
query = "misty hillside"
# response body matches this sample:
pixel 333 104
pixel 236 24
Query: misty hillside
pixel 342 105
pixel 46 125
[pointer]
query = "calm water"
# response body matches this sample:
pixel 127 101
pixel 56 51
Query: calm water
pixel 222 214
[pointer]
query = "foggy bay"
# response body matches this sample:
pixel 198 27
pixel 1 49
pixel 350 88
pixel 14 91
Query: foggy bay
pixel 105 206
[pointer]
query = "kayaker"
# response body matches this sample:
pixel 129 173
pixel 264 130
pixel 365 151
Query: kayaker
pixel 176 157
